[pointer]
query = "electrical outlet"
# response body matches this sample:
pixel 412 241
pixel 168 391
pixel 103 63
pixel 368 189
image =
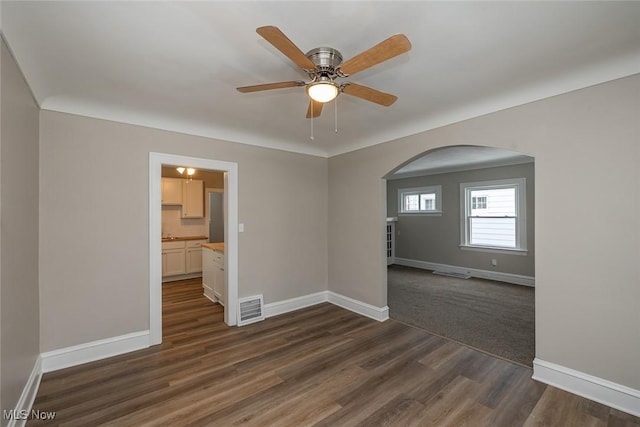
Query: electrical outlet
pixel 494 262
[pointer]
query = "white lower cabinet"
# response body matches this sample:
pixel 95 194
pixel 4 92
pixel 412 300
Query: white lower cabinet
pixel 194 256
pixel 213 275
pixel 173 260
pixel 207 273
pixel 181 257
pixel 219 278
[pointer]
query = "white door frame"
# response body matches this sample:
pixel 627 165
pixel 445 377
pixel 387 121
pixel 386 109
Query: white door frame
pixel 156 160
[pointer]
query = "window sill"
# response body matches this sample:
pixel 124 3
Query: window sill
pixel 490 249
pixel 430 213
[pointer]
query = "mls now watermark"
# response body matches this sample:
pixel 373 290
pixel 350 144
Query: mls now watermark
pixel 23 414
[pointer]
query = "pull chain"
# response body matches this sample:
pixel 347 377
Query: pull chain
pixel 312 138
pixel 335 103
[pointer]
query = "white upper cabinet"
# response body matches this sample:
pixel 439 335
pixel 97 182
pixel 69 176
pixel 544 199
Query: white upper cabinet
pixel 188 193
pixel 172 191
pixel 193 198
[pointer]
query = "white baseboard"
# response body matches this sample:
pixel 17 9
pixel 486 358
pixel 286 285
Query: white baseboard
pixel 23 408
pixel 292 304
pixel 359 307
pixel 217 296
pixel 95 350
pixel 209 297
pixel 516 279
pixel 376 313
pixel 101 349
pixel 600 390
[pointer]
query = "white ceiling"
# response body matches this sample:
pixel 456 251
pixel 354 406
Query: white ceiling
pixel 175 65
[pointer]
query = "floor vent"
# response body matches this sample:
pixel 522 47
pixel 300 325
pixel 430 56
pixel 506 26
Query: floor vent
pixel 251 310
pixel 452 274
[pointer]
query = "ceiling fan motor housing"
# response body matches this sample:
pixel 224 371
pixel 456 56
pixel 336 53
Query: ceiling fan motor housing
pixel 326 60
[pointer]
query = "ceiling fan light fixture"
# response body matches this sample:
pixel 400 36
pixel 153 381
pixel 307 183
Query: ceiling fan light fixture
pixel 323 90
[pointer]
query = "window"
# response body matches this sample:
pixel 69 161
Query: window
pixel 493 215
pixel 479 202
pixel 424 200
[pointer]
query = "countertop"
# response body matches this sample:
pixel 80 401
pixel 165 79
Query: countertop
pixel 183 238
pixel 217 247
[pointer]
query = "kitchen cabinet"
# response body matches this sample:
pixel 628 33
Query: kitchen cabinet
pixel 213 275
pixel 181 257
pixel 173 258
pixel 219 278
pixel 192 198
pixel 207 273
pixel 194 256
pixel 188 193
pixel 172 191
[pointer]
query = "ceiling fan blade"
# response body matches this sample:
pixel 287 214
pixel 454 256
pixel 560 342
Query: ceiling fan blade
pixel 317 108
pixel 269 86
pixel 281 42
pixel 387 49
pixel 369 94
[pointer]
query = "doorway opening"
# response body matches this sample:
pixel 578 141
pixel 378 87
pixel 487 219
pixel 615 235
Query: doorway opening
pixel 465 213
pixel 230 173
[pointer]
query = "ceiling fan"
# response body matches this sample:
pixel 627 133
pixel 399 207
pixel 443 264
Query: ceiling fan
pixel 324 66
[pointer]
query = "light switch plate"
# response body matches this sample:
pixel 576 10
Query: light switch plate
pixel 240 228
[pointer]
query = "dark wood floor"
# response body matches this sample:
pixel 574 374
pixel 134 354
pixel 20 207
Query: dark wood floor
pixel 319 366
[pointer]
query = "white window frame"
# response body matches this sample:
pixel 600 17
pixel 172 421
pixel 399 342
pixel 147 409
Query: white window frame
pixel 521 214
pixel 433 189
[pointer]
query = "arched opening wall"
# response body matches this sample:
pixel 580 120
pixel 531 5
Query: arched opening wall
pixel 442 238
pixel 585 143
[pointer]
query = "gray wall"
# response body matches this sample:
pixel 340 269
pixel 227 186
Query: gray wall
pixel 19 236
pixel 584 142
pixel 437 238
pixel 94 240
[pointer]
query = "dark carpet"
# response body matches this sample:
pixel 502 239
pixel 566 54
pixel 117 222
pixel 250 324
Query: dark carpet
pixel 492 316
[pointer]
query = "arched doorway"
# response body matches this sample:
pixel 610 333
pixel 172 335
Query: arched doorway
pixel 461 257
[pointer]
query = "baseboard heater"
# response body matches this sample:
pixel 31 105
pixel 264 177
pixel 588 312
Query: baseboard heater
pixel 453 274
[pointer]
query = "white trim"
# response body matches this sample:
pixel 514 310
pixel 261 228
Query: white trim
pixel 376 313
pixel 95 350
pixel 28 396
pixel 292 304
pixel 156 160
pixel 101 349
pixel 597 389
pixel 495 250
pixel 210 298
pixel 421 213
pixel 218 297
pixel 280 307
pixel 516 279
